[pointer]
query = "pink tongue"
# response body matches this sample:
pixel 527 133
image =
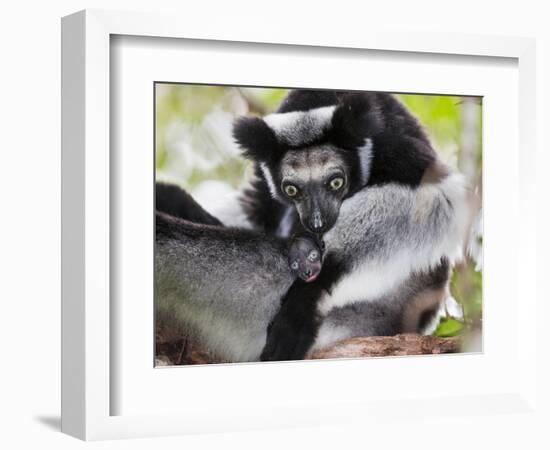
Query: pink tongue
pixel 311 278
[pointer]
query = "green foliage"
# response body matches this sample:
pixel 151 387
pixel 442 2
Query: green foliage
pixel 439 114
pixel 232 172
pixel 466 288
pixel 182 116
pixel 185 103
pixel 448 327
pixel 266 100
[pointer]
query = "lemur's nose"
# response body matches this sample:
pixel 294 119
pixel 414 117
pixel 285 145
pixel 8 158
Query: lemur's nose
pixel 307 273
pixel 316 222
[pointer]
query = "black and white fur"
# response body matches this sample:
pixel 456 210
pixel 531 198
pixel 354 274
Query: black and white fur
pixel 391 233
pixel 386 268
pixel 371 135
pixel 370 274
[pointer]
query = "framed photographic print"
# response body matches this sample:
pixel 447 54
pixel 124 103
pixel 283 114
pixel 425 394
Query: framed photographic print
pixel 247 246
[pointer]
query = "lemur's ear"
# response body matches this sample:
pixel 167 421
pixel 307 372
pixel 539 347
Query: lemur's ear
pixel 355 119
pixel 256 138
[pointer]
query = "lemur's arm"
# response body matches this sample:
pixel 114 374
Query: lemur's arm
pixel 380 223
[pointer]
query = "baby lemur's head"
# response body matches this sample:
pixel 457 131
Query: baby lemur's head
pixel 305 256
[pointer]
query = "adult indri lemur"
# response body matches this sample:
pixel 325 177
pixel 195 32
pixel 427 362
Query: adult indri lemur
pixel 357 167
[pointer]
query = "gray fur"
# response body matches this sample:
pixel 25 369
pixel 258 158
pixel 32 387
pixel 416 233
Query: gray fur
pixel 378 222
pixel 285 227
pixel 385 234
pixel 311 164
pixel 224 291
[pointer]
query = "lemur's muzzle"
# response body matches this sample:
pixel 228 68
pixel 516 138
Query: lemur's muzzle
pixel 316 222
pixel 318 213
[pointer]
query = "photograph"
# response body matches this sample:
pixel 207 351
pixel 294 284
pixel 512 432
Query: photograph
pixel 295 223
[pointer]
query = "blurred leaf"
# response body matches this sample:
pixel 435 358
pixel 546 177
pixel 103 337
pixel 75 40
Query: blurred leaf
pixel 467 288
pixel 448 328
pixel 440 117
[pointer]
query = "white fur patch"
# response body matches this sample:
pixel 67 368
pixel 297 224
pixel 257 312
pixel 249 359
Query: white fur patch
pixel 328 334
pixel 300 127
pixel 372 278
pixel 223 202
pixel 365 158
pixel 269 180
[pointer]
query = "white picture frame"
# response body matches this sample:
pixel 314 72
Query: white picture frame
pixel 88 387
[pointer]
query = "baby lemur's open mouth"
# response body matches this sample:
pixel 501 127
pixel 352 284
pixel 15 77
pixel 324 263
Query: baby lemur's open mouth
pixel 310 274
pixel 310 278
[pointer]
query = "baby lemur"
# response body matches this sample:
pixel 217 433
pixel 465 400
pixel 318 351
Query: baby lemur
pixel 305 256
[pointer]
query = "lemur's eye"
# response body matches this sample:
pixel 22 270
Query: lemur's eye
pixel 313 255
pixel 336 183
pixel 291 190
pixel 294 265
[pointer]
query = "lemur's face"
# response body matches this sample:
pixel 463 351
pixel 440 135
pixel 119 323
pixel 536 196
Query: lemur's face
pixel 314 177
pixel 316 181
pixel 305 258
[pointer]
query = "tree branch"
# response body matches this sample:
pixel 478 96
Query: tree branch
pixel 399 345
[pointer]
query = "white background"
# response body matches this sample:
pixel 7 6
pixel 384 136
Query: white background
pixel 30 132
